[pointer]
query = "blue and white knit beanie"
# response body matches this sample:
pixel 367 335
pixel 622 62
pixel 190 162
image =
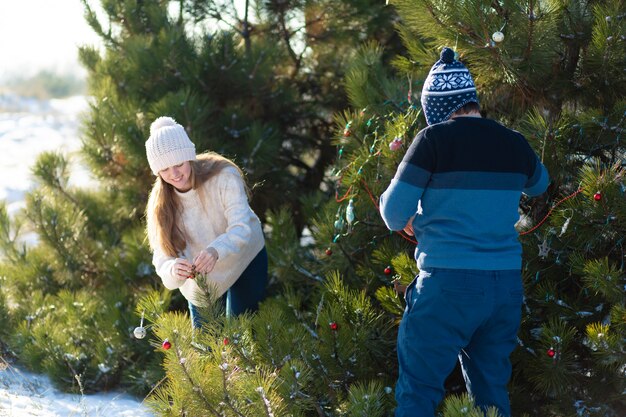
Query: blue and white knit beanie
pixel 448 87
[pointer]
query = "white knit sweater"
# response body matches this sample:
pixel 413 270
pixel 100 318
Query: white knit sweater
pixel 225 222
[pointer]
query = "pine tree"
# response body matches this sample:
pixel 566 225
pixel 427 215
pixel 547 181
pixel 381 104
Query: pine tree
pixel 554 71
pixel 257 85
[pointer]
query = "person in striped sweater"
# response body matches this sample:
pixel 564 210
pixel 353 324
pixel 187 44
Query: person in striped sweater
pixel 458 190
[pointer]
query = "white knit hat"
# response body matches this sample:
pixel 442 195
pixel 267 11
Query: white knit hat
pixel 168 145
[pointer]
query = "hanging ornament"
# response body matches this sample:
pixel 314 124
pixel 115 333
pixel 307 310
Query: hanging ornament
pixel 333 326
pixel 551 352
pixel 395 144
pixel 328 252
pixel 565 226
pixel 497 36
pixel 166 344
pixel 373 147
pixel 346 131
pixel 226 341
pixel 597 196
pixel 338 220
pixel 350 212
pixel 388 271
pixel 544 249
pixel 140 332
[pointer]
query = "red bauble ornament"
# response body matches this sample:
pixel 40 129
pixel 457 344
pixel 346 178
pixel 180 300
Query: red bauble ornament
pixel 333 326
pixel 395 144
pixel 226 341
pixel 347 133
pixel 166 344
pixel 597 196
pixel 387 271
pixel 551 353
pixel 329 252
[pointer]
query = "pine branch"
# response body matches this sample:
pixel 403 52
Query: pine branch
pixel 196 387
pixel 227 401
pixel 96 26
pixel 245 32
pixel 266 403
pixel 286 37
pixel 307 273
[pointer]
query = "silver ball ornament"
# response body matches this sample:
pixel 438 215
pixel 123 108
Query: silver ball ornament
pixel 139 332
pixel 497 36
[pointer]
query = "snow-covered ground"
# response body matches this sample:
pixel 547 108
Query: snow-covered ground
pixel 27 128
pixel 25 394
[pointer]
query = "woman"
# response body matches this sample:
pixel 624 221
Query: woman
pixel 199 221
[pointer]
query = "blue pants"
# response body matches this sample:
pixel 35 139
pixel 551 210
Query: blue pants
pixel 245 294
pixel 456 313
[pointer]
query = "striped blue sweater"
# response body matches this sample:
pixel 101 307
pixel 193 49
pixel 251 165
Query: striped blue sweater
pixel 462 181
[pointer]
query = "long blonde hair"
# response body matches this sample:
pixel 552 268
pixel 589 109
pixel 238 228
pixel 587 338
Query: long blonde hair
pixel 163 208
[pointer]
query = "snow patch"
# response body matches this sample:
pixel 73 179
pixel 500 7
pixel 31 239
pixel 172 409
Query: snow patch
pixel 25 394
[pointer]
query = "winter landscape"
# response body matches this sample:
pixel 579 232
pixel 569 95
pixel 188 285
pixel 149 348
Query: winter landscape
pixel 319 102
pixel 28 127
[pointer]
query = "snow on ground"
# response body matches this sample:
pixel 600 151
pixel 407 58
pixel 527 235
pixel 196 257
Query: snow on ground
pixel 25 394
pixel 28 127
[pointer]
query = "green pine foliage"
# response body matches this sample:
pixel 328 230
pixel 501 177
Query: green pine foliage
pixel 71 293
pixel 5 319
pixel 284 360
pixel 462 405
pixel 254 85
pixel 259 87
pixel 547 80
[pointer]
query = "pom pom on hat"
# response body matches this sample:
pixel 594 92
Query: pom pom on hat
pixel 448 87
pixel 447 56
pixel 160 122
pixel 168 145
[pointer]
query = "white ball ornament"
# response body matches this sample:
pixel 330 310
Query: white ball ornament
pixel 139 332
pixel 497 36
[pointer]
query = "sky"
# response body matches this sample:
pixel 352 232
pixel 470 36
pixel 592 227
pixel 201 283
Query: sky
pixel 40 35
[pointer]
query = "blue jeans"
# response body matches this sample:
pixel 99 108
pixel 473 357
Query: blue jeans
pixel 245 294
pixel 472 315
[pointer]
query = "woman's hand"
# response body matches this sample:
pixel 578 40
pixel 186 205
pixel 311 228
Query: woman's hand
pixel 182 268
pixel 205 261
